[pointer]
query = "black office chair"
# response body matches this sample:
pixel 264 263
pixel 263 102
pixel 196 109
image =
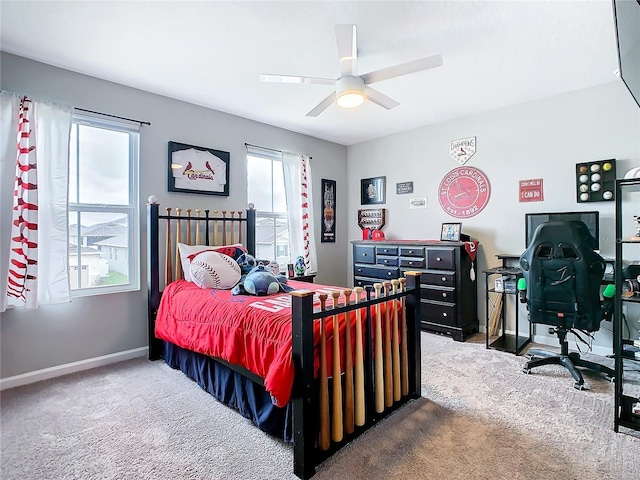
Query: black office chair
pixel 563 277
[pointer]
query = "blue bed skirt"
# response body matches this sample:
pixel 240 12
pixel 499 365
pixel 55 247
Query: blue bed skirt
pixel 232 389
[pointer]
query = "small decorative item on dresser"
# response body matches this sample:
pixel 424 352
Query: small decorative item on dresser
pixel 377 235
pixel 451 232
pixel 371 218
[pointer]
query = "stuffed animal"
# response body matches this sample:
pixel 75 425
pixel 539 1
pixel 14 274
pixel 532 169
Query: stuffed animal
pixel 247 262
pixel 261 281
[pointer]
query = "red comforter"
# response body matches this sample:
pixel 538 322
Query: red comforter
pixel 251 331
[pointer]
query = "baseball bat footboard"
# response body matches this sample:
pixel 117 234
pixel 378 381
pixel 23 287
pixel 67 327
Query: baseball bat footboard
pixel 357 383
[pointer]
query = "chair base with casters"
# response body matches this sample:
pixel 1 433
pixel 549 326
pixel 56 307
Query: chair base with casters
pixel 569 360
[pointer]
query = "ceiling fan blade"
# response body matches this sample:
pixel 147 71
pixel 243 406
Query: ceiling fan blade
pixel 295 79
pixel 379 98
pixel 402 69
pixel 347 49
pixel 322 106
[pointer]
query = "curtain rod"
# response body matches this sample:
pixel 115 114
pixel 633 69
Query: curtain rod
pixel 266 148
pixel 113 116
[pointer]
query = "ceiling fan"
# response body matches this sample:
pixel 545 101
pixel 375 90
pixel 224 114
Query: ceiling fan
pixel 352 89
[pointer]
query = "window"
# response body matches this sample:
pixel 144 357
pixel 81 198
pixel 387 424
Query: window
pixel 265 190
pixel 103 206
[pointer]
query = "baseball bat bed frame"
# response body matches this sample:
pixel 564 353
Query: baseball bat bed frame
pixel 379 376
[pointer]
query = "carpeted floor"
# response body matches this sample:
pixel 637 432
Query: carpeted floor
pixel 480 418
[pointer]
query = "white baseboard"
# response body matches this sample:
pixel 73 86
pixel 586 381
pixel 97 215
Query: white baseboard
pixel 74 367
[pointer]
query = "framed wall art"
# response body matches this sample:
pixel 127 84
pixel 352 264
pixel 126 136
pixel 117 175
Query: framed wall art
pixel 328 211
pixel 451 232
pixel 198 170
pixel 372 190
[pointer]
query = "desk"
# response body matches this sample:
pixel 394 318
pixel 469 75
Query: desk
pixel 512 343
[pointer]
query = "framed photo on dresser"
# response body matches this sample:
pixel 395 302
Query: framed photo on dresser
pixel 450 232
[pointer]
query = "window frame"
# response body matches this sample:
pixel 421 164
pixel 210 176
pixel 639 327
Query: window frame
pixel 131 211
pixel 272 156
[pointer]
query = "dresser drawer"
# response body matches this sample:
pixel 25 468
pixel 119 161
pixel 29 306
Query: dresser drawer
pixel 376 272
pixel 441 258
pixel 443 279
pixel 386 250
pixel 412 251
pixel 364 254
pixel 412 262
pixel 440 294
pixel 440 313
pixel 363 282
pixel 386 260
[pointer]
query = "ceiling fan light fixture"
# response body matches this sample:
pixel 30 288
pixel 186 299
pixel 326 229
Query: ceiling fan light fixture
pixel 349 91
pixel 350 99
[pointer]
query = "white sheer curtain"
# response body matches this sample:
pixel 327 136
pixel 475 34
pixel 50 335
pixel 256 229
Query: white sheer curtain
pixel 297 186
pixel 47 149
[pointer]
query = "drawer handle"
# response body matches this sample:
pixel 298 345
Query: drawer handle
pixel 410 251
pixel 444 294
pixel 390 274
pixel 444 279
pixel 410 263
pixel 359 270
pixel 438 259
pixel 444 314
pixel 364 254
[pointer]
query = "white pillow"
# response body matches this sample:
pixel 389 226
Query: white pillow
pixel 188 250
pixel 214 270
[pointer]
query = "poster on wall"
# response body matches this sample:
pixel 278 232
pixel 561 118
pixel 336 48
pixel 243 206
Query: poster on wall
pixel 328 211
pixel 531 190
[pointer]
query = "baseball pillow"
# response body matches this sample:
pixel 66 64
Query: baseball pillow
pixel 214 270
pixel 188 252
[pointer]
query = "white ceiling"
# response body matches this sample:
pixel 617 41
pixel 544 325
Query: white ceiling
pixel 495 54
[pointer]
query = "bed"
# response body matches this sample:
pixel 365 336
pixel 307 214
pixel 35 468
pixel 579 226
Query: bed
pixel 276 358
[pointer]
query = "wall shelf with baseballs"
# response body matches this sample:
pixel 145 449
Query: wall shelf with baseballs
pixel 372 218
pixel 596 181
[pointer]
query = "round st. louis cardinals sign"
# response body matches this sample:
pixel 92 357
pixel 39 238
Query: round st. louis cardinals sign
pixel 464 192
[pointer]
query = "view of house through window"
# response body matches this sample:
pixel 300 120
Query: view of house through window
pixel 266 191
pixel 103 212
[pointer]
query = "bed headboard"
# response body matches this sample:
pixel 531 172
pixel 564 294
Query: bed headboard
pixel 191 227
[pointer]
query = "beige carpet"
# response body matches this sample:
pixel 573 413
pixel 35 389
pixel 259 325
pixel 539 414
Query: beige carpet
pixel 480 418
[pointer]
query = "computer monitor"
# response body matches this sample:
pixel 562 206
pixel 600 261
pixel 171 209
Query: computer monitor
pixel 590 219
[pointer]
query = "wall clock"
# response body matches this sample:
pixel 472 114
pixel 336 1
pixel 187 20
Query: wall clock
pixel 464 192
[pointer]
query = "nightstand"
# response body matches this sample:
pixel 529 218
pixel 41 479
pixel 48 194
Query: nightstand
pixel 304 278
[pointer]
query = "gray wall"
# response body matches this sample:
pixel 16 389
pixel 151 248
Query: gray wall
pixel 94 326
pixel 542 139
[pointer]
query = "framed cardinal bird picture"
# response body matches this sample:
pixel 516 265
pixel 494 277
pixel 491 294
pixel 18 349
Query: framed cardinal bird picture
pixel 198 170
